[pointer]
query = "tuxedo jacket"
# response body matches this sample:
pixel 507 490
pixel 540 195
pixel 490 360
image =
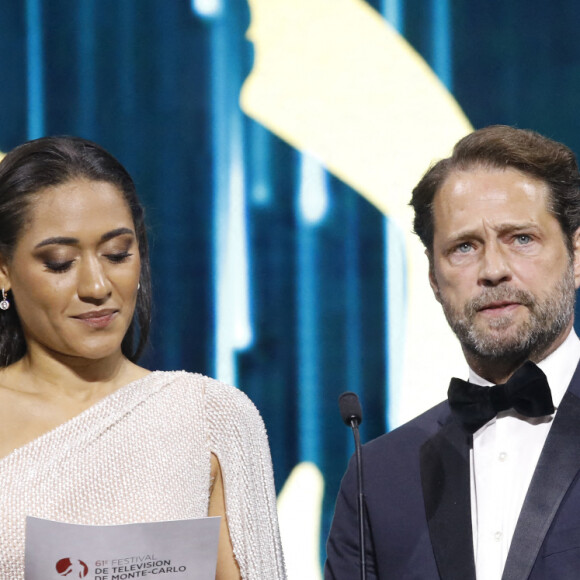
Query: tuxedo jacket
pixel 418 508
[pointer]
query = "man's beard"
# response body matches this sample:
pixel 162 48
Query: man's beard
pixel 527 339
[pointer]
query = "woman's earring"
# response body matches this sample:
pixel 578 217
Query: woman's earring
pixel 4 304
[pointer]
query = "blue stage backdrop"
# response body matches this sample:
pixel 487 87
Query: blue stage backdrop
pixel 271 271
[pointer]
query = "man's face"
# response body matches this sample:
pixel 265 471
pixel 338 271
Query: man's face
pixel 500 265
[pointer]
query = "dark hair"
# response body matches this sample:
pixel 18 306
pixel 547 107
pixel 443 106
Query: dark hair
pixel 503 147
pixel 52 161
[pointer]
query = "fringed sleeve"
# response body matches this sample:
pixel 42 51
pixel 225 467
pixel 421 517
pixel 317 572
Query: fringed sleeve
pixel 239 440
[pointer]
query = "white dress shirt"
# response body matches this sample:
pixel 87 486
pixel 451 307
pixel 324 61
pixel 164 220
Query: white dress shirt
pixel 504 455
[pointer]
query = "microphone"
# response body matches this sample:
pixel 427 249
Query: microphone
pixel 351 413
pixel 350 409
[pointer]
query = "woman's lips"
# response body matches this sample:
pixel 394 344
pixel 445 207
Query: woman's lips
pixel 97 318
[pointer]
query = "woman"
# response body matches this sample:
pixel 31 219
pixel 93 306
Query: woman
pixel 86 435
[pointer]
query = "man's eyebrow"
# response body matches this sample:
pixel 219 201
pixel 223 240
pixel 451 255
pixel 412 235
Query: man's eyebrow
pixel 68 241
pixel 502 228
pixel 520 226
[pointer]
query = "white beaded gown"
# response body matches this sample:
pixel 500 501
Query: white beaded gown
pixel 142 454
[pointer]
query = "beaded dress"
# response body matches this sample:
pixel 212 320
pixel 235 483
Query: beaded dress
pixel 142 454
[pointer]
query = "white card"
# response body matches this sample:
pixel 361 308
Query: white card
pixel 174 550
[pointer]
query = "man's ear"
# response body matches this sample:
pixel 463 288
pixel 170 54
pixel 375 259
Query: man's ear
pixel 576 250
pixel 432 279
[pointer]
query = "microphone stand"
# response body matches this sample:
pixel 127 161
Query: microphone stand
pixel 351 412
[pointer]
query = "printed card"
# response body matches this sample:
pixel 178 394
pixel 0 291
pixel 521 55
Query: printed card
pixel 174 550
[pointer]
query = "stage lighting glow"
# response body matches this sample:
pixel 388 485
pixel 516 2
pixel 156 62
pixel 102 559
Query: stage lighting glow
pixel 207 8
pixel 352 92
pixel 313 198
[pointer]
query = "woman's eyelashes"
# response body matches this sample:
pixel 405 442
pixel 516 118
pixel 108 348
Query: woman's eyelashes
pixel 119 257
pixel 60 266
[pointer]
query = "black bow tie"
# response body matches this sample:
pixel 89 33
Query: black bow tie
pixel 527 392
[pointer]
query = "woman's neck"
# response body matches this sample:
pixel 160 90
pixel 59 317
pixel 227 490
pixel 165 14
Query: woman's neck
pixel 72 378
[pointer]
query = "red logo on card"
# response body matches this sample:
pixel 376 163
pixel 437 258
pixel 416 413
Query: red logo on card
pixel 72 568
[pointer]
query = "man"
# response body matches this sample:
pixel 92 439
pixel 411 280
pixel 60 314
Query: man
pixel 461 493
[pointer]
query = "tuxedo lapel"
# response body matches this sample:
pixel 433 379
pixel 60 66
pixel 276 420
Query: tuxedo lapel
pixel 557 467
pixel 446 491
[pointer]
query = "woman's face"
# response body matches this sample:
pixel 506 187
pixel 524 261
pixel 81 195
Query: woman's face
pixel 75 270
